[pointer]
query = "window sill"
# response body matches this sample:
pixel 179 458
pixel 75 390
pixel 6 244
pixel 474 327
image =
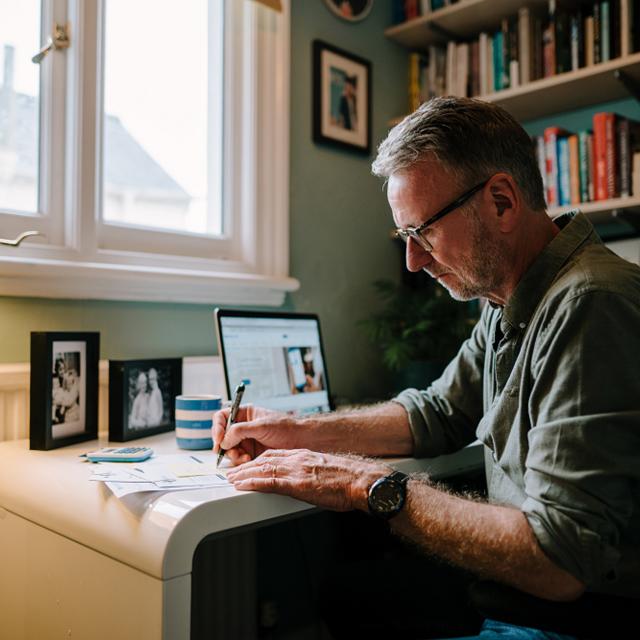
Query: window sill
pixel 52 278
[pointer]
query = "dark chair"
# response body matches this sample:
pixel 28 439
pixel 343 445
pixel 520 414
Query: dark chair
pixel 590 617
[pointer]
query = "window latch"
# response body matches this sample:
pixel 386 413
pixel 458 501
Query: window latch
pixel 59 40
pixel 16 241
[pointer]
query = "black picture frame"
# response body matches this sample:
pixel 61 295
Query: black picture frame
pixel 64 388
pixel 341 98
pixel 135 412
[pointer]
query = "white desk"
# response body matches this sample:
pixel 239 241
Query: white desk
pixel 76 562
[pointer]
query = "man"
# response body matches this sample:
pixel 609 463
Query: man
pixel 547 381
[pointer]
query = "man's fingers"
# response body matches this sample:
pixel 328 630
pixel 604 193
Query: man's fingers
pixel 240 431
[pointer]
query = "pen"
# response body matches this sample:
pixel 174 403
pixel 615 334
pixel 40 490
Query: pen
pixel 235 405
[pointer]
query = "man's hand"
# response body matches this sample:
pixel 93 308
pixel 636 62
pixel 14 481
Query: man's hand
pixel 339 483
pixel 255 431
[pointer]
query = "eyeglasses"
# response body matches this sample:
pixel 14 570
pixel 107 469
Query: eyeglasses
pixel 416 232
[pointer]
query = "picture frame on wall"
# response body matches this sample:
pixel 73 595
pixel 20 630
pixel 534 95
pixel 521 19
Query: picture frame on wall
pixel 142 397
pixel 64 388
pixel 341 98
pixel 350 10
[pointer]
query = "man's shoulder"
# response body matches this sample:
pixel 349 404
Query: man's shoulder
pixel 595 269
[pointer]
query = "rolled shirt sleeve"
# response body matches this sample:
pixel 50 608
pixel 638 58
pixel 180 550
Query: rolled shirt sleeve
pixel 582 468
pixel 443 417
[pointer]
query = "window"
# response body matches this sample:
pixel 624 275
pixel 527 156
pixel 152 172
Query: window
pixel 151 154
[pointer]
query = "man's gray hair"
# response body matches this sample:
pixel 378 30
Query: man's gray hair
pixel 470 138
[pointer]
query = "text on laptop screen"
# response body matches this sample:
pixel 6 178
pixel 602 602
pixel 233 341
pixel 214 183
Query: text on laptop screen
pixel 281 358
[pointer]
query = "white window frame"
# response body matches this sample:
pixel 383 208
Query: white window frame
pixel 80 260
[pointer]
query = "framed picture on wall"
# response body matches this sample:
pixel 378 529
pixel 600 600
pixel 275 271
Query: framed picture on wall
pixel 142 397
pixel 341 98
pixel 64 388
pixel 350 10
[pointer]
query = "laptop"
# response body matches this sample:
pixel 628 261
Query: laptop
pixel 279 357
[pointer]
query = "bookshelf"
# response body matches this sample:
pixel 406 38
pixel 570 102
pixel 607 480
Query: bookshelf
pixel 587 86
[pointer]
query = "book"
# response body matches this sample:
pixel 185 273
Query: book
pixel 474 68
pixel 584 160
pixel 574 169
pixel 414 81
pixel 588 41
pixel 577 41
pixel 540 156
pixel 483 55
pixel 498 75
pixel 549 48
pixel 603 155
pixel 597 30
pixel 451 82
pixel 562 42
pixel 411 9
pixel 564 175
pixel 551 137
pixel 605 34
pixel 524 45
pixel 462 70
pixel 505 66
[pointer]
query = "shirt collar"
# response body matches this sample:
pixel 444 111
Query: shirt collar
pixel 575 230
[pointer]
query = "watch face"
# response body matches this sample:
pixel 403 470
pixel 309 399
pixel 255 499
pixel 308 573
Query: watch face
pixel 387 496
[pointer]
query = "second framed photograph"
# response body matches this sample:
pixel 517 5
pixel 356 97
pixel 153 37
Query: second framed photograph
pixel 341 98
pixel 142 397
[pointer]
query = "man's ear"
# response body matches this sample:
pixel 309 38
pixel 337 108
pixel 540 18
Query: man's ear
pixel 505 196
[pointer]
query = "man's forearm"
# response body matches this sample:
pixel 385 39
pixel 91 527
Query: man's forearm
pixel 491 541
pixel 379 430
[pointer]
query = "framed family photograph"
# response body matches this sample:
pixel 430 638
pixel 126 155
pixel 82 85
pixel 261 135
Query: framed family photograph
pixel 142 397
pixel 341 98
pixel 64 388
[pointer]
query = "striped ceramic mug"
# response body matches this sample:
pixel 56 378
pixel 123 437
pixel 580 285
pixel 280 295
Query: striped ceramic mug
pixel 194 420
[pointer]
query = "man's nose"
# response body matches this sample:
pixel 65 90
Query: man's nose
pixel 416 257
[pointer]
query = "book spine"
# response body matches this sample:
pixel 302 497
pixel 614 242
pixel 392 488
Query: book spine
pixel 538 64
pixel 611 156
pixel 462 70
pixel 624 156
pixel 483 70
pixel 551 164
pixel 425 7
pixel 605 35
pixel 625 28
pixel 588 41
pixel 411 9
pixel 616 34
pixel 597 29
pixel 574 169
pixel 491 82
pixel 562 42
pixel 524 45
pixel 497 61
pixel 414 81
pixel 398 15
pixel 475 68
pixel 564 181
pixel 590 156
pixel 451 68
pixel 506 54
pixel 583 161
pixel 549 50
pixel 540 156
pixel 600 156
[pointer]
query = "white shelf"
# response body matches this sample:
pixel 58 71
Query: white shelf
pixel 568 91
pixel 603 210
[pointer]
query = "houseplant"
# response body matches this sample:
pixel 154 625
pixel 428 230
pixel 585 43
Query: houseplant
pixel 419 329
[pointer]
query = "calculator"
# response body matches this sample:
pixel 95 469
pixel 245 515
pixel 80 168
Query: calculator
pixel 120 454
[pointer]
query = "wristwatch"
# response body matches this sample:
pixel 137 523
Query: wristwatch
pixel 387 495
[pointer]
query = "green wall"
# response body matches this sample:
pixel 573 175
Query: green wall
pixel 339 224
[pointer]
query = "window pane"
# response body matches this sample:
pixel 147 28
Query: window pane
pixel 19 105
pixel 161 131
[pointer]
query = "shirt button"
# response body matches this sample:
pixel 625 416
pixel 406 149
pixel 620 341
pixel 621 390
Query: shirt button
pixel 523 325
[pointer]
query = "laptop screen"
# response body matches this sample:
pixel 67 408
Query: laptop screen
pixel 279 356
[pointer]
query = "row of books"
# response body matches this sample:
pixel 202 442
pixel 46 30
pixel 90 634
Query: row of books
pixel 589 165
pixel 404 10
pixel 526 47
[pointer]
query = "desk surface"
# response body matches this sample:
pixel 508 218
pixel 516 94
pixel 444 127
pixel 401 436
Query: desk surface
pixel 156 533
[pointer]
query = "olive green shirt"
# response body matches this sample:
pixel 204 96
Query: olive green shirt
pixel 550 384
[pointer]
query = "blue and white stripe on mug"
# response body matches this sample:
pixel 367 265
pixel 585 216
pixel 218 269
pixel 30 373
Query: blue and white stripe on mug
pixel 194 420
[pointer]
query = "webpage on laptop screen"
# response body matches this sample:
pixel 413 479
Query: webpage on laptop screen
pixel 280 358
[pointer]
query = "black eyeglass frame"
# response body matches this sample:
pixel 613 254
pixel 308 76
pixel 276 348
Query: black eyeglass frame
pixel 416 232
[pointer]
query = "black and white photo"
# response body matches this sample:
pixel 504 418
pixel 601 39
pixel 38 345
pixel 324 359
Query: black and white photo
pixel 141 397
pixel 64 383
